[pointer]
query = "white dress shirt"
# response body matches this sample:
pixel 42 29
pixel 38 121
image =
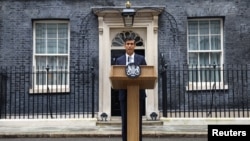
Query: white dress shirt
pixel 130 59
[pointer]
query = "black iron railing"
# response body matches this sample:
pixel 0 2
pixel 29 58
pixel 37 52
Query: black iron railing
pixel 51 93
pixel 208 91
pixel 185 91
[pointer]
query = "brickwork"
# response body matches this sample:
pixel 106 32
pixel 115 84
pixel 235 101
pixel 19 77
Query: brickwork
pixel 17 16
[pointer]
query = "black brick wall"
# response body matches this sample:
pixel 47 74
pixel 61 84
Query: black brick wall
pixel 16 17
pixel 16 26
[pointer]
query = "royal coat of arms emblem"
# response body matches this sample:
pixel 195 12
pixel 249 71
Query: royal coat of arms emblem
pixel 132 70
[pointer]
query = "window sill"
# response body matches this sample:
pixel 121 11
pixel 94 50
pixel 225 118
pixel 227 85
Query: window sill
pixel 206 86
pixel 50 91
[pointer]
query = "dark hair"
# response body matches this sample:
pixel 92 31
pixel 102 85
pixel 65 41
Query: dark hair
pixel 129 38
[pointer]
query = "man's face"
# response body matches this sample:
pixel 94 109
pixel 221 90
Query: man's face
pixel 130 46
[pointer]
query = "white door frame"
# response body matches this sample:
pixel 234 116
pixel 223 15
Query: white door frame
pixel 109 19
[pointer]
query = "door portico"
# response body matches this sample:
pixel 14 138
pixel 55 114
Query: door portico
pixel 110 23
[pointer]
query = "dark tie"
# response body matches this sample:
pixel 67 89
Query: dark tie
pixel 129 59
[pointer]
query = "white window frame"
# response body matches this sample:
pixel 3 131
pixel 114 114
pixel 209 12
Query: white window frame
pixel 55 88
pixel 202 85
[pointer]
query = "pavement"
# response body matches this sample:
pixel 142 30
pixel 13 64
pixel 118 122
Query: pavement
pixel 91 128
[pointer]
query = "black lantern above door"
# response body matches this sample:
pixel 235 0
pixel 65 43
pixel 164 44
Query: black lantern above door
pixel 128 15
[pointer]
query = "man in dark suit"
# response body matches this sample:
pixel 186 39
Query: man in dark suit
pixel 130 57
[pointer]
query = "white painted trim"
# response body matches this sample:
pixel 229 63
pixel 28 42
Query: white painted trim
pixel 110 21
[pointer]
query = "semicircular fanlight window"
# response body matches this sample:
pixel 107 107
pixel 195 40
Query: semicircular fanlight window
pixel 120 37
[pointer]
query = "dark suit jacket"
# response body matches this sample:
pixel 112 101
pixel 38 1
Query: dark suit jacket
pixel 138 60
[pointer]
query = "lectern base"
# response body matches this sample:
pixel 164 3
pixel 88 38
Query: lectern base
pixel 146 80
pixel 133 113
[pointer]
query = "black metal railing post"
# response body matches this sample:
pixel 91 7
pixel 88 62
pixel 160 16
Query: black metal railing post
pixel 93 91
pixel 164 85
pixel 3 82
pixel 213 91
pixel 49 102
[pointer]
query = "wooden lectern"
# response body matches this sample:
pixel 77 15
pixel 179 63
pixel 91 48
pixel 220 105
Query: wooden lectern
pixel 146 80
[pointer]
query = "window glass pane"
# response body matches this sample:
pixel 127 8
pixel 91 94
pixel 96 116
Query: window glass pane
pixel 193 43
pixel 215 27
pixel 62 46
pixel 215 43
pixel 193 73
pixel 40 46
pixel 204 27
pixel 63 30
pixel 52 78
pixel 215 77
pixel 58 78
pixel 204 43
pixel 204 59
pixel 40 30
pixel 52 30
pixel 62 78
pixel 63 62
pixel 52 46
pixel 215 58
pixel 193 27
pixel 40 77
pixel 193 58
pixel 40 62
pixel 205 77
pixel 52 62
